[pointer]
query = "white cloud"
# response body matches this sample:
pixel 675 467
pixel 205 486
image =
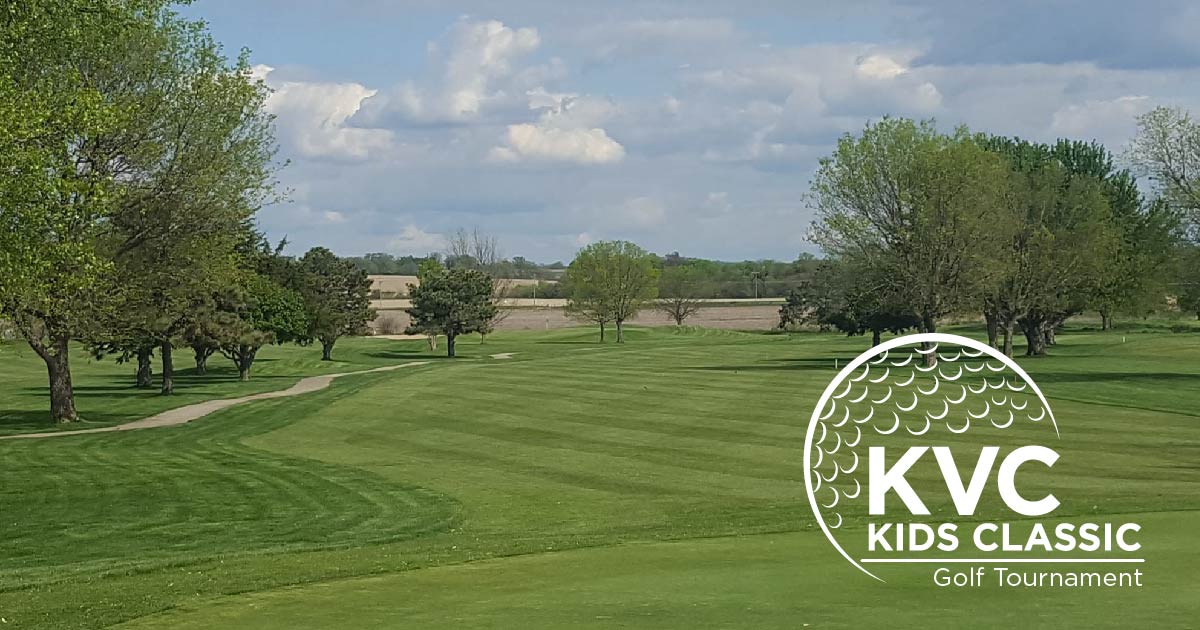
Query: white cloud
pixel 880 82
pixel 614 40
pixel 641 212
pixel 572 110
pixel 475 70
pixel 879 67
pixel 412 240
pixel 260 71
pixel 716 203
pixel 311 118
pixel 538 142
pixel 680 107
pixel 702 30
pixel 1106 120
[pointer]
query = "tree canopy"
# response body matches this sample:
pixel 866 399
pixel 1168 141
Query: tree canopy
pixel 451 302
pixel 336 295
pixel 913 208
pixel 680 290
pixel 610 281
pixel 133 149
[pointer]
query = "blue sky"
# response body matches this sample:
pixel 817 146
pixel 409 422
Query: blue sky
pixel 689 126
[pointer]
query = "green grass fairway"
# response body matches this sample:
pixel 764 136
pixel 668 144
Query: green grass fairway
pixel 652 485
pixel 771 581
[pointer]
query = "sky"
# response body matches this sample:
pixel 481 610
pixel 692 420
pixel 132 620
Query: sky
pixel 690 126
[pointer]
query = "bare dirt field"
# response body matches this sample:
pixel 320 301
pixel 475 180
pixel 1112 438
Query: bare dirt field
pixel 750 317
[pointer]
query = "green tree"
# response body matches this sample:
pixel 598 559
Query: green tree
pixel 207 325
pixel 194 176
pixel 151 149
pixel 452 302
pixel 586 304
pixel 1135 278
pixel 913 204
pixel 1078 235
pixel 428 268
pixel 127 348
pixel 337 295
pixel 610 281
pixel 1167 149
pixel 794 311
pixel 476 250
pixel 679 292
pixel 847 298
pixel 1060 255
pixel 61 167
pixel 855 305
pixel 1187 283
pixel 260 312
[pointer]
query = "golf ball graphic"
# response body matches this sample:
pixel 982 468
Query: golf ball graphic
pixel 894 395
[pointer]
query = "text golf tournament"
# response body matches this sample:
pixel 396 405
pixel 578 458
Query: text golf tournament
pixel 1010 578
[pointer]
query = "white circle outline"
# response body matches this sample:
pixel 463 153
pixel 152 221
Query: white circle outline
pixel 855 364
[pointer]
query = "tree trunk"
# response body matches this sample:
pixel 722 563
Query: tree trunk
pixel 145 367
pixel 450 338
pixel 875 338
pixel 1008 338
pixel 327 349
pixel 432 342
pixel 1035 338
pixel 601 332
pixel 1049 335
pixel 1105 320
pixel 202 353
pixel 993 327
pixel 620 324
pixel 62 393
pixel 928 325
pixel 245 360
pixel 168 369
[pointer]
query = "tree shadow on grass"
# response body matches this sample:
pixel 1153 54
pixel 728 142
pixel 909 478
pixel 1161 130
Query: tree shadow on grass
pixel 825 364
pixel 1093 378
pixel 406 354
pixel 13 421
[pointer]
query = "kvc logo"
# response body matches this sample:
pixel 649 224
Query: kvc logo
pixel 936 448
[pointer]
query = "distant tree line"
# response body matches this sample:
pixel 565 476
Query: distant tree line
pixel 712 279
pixel 517 267
pixel 386 264
pixel 134 156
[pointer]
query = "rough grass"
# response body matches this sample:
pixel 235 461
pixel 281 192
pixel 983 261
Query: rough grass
pixel 680 435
